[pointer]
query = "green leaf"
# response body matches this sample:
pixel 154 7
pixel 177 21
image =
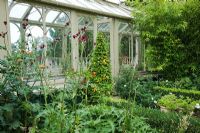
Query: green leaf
pixel 8 107
pixel 2 47
pixel 15 125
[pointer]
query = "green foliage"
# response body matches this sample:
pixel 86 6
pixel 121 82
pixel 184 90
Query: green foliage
pixel 181 104
pixel 184 92
pixel 168 30
pixel 184 83
pixel 124 47
pixel 146 95
pixel 87 47
pixel 191 37
pixel 129 85
pixel 126 83
pixel 100 81
pixel 114 101
pixel 53 117
pixel 101 118
pixel 166 122
pixel 163 122
pixel 55 47
pixel 17 112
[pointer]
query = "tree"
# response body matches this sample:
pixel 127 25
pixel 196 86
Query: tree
pixel 170 31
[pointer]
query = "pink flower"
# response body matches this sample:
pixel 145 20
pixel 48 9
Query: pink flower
pixel 67 24
pixel 74 36
pixel 24 23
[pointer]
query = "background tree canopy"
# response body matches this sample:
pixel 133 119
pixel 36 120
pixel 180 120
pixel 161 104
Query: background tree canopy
pixel 170 30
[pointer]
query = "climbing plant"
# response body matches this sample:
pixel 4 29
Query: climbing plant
pixel 100 70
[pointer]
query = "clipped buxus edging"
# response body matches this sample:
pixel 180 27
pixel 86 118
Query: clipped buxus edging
pixel 163 122
pixel 166 122
pixel 194 94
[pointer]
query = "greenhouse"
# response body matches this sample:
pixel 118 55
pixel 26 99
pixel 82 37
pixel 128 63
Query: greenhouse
pixel 99 66
pixel 45 17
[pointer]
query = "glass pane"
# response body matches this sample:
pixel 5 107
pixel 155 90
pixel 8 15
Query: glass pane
pixel 18 10
pixel 54 51
pixel 78 3
pixel 9 2
pixel 123 26
pixel 51 16
pixel 34 15
pixel 99 6
pixel 62 19
pixel 15 36
pixel 114 1
pixel 36 37
pixel 65 1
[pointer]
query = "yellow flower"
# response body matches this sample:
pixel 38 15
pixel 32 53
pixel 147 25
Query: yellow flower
pixel 104 62
pixel 94 89
pixel 42 66
pixel 19 60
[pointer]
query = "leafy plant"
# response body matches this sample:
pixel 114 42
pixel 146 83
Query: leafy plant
pixel 101 118
pixel 190 83
pixel 165 122
pixel 126 83
pixel 17 112
pixel 173 103
pixel 100 80
pixel 53 117
pixel 130 84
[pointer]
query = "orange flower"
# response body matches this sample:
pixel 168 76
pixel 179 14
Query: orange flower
pixel 84 81
pixel 94 74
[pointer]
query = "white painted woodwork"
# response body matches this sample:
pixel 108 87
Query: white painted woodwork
pixel 114 46
pixel 95 29
pixel 74 42
pixel 4 16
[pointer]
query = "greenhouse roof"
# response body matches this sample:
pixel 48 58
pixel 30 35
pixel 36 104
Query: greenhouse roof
pixel 98 7
pixel 58 16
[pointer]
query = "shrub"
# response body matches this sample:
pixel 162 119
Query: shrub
pixel 186 93
pixel 163 122
pixel 170 29
pixel 128 85
pixel 174 103
pixel 114 101
pixel 183 83
pixel 166 122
